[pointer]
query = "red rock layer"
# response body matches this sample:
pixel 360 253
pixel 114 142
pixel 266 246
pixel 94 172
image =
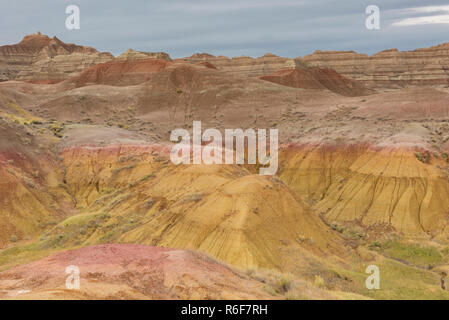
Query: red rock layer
pixel 40 58
pixel 317 78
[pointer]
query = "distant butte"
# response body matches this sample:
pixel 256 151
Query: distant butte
pixel 39 58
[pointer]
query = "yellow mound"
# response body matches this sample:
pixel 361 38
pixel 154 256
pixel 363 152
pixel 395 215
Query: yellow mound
pixel 244 219
pixel 390 188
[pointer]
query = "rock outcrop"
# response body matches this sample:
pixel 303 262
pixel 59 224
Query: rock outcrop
pixel 389 68
pixel 39 58
pixel 383 188
pixel 386 69
pixel 131 54
pixel 120 72
pixel 254 67
pixel 317 78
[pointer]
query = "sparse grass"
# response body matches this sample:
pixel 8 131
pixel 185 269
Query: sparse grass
pixel 56 128
pixel 194 197
pixel 319 282
pixel 284 283
pixel 398 281
pixel 270 290
pixel 21 254
pixel 145 178
pixel 413 254
pixel 73 230
pixel 118 170
pixel 250 272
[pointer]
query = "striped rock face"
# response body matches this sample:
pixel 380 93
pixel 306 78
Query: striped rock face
pixel 85 164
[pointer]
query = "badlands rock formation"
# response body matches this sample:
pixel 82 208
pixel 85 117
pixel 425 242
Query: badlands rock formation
pixel 317 78
pixel 387 69
pixel 248 66
pixel 40 58
pixel 362 179
pixel 131 54
pixel 390 68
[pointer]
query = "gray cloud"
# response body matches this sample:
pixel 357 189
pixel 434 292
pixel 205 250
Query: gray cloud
pixel 233 27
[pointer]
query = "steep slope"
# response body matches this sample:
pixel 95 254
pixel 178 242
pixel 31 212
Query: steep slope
pixel 121 72
pixel 317 78
pixel 32 197
pixel 387 69
pixel 390 68
pixel 381 188
pixel 137 196
pixel 242 66
pixel 39 58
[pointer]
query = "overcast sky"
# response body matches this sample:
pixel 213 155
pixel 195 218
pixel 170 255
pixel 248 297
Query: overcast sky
pixel 287 28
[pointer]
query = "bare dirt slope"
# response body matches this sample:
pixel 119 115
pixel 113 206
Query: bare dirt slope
pixel 129 272
pixel 317 78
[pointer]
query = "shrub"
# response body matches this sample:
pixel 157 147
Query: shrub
pixel 337 227
pixel 284 283
pixel 424 157
pixel 319 282
pixel 250 272
pixel 13 238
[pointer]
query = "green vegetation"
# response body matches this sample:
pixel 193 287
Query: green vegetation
pixel 56 128
pixel 424 157
pixel 412 254
pixel 284 283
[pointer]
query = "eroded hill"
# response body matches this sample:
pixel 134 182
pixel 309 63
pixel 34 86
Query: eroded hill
pixel 362 179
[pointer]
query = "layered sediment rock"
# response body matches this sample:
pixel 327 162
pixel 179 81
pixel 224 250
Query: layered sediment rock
pixel 254 67
pixel 317 78
pixel 389 68
pixel 241 218
pixel 42 59
pixel 39 58
pixel 120 72
pixel 386 188
pixel 386 69
pixel 32 196
pixel 131 54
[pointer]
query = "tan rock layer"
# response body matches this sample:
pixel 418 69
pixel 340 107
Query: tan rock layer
pixel 374 187
pixel 389 68
pixel 386 69
pixel 40 58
